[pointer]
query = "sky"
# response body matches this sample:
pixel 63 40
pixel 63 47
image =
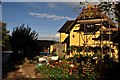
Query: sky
pixel 49 0
pixel 0 12
pixel 46 18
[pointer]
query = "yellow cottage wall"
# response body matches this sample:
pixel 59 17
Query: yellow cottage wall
pixel 74 36
pixel 79 39
pixel 63 36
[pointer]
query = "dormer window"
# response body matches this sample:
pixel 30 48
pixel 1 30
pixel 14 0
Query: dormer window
pixel 88 28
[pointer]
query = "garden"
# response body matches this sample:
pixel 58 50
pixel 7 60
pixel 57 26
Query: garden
pixel 80 67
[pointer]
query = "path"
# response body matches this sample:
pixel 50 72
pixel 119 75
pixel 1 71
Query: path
pixel 25 71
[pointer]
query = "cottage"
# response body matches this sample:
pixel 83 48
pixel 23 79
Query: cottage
pixel 91 28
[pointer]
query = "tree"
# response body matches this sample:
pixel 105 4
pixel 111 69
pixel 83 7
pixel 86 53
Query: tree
pixel 23 40
pixel 111 9
pixel 115 8
pixel 5 37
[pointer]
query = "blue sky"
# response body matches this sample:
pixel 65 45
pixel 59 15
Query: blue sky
pixel 52 0
pixel 46 18
pixel 0 12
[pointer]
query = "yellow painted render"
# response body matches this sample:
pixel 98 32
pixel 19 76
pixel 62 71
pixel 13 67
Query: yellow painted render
pixel 65 47
pixel 63 36
pixel 51 48
pixel 74 36
pixel 78 38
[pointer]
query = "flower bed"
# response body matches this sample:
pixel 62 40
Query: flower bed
pixel 83 68
pixel 66 69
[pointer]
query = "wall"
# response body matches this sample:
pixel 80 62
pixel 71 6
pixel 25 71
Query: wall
pixel 61 49
pixel 63 36
pixel 74 36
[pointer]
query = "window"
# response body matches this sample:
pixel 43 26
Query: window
pixel 73 36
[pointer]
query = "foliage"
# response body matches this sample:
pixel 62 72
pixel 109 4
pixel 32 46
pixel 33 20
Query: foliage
pixel 23 39
pixel 116 39
pixel 117 11
pixel 5 37
pixel 53 72
pixel 86 69
pixel 110 8
pixel 76 48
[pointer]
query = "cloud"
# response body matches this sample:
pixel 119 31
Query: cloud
pixel 49 16
pixel 49 37
pixel 57 35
